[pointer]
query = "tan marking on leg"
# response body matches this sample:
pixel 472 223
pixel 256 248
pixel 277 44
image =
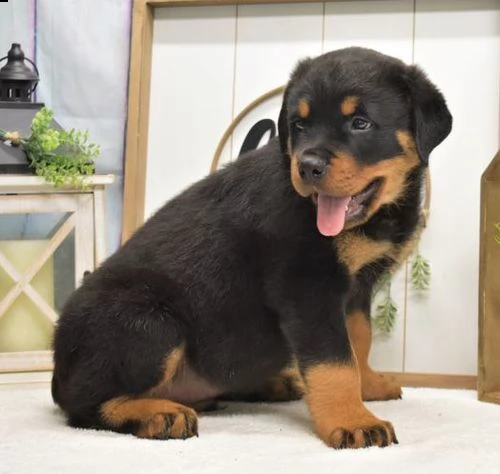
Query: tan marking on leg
pixel 341 419
pixel 152 428
pixel 173 362
pixel 374 386
pixel 155 418
pixel 120 410
pixel 173 365
pixel 181 428
pixel 360 335
pixel 287 385
pixel 292 372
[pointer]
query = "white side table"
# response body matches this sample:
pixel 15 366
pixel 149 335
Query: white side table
pixel 48 238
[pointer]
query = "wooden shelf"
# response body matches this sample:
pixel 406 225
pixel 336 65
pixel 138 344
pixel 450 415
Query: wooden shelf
pixel 21 183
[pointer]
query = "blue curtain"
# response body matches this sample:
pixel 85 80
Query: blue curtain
pixel 81 48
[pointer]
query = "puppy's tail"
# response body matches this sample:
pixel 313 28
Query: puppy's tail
pixel 55 389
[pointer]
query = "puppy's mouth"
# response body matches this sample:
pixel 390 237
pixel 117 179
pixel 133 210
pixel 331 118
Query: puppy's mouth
pixel 334 212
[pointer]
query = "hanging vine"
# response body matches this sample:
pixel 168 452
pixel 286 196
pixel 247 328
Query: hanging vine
pixel 420 273
pixel 386 311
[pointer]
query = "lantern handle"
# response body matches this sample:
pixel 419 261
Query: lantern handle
pixel 33 64
pixel 37 73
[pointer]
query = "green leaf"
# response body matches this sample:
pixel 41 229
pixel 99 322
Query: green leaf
pixel 49 140
pixel 59 156
pixel 497 237
pixel 41 121
pixel 420 273
pixel 385 315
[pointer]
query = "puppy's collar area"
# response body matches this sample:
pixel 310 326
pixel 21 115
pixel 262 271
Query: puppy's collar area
pixel 334 211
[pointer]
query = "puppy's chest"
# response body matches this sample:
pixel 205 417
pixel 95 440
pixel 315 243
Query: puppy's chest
pixel 358 248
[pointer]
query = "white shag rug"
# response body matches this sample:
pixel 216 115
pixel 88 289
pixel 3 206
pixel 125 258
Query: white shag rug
pixel 440 432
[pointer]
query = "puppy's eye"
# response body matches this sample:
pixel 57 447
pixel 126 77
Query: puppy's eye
pixel 298 125
pixel 359 123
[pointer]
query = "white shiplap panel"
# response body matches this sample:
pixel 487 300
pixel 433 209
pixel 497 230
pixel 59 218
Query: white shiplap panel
pixel 387 353
pixel 191 96
pixel 459 48
pixel 458 44
pixel 270 41
pixel 386 26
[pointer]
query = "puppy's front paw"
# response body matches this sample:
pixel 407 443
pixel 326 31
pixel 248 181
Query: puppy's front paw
pixel 361 431
pixel 181 425
pixel 341 419
pixel 376 433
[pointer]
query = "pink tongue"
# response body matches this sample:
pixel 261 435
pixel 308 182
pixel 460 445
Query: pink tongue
pixel 331 214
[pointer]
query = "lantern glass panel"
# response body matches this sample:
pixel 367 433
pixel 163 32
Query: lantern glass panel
pixel 37 275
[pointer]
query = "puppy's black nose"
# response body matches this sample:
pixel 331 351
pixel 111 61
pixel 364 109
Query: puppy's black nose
pixel 312 168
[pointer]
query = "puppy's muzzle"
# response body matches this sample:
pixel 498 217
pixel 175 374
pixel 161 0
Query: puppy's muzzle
pixel 313 166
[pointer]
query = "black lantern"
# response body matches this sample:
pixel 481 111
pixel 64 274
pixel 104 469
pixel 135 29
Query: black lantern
pixel 17 81
pixel 17 109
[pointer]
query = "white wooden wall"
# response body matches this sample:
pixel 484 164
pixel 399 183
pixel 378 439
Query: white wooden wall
pixel 210 62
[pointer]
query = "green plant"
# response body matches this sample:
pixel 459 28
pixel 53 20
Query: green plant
pixel 420 273
pixel 61 157
pixel 386 311
pixel 497 236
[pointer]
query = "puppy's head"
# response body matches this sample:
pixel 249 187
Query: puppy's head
pixel 355 123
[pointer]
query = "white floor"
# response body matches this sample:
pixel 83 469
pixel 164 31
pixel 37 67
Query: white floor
pixel 440 431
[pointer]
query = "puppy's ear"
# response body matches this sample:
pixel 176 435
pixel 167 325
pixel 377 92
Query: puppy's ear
pixel 283 129
pixel 431 119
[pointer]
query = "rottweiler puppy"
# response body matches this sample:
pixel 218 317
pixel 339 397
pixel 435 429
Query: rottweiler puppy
pixel 255 282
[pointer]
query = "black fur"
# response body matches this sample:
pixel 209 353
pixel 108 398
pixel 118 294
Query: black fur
pixel 234 267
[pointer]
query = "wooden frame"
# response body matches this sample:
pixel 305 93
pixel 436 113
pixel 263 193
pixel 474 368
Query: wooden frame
pixel 489 337
pixel 137 142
